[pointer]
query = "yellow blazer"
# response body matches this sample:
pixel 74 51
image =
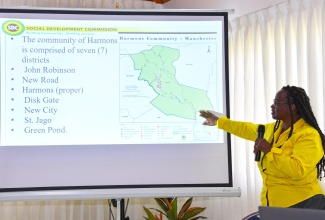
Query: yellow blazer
pixel 289 170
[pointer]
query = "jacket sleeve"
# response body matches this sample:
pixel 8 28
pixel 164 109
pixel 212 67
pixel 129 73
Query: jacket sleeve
pixel 241 129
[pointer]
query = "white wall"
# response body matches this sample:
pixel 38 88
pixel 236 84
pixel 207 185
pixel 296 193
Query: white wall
pixel 241 7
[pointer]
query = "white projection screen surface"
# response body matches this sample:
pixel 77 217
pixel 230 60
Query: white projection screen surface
pixel 110 99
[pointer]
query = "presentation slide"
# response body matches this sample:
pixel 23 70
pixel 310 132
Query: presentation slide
pixel 111 87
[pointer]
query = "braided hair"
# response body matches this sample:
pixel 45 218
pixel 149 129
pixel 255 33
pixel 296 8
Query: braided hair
pixel 299 97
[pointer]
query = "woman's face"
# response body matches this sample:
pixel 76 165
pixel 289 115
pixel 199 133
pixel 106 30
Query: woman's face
pixel 279 108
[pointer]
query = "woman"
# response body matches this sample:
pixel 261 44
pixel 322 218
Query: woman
pixel 292 150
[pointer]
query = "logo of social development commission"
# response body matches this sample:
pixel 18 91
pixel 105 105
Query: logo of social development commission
pixel 13 27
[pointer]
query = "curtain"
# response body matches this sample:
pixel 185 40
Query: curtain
pixel 268 49
pixel 277 46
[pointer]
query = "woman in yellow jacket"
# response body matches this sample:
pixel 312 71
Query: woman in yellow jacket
pixel 292 150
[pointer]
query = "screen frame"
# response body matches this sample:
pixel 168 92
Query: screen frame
pixel 153 189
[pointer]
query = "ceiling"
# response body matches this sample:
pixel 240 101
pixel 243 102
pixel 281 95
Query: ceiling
pixel 159 1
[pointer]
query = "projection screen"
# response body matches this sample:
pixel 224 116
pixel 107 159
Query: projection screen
pixel 109 99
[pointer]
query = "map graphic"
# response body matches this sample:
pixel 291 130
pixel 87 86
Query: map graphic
pixel 165 83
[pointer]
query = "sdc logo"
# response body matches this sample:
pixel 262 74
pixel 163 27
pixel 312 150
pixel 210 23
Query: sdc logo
pixel 13 27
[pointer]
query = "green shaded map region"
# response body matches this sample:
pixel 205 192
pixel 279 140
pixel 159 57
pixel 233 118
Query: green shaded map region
pixel 157 69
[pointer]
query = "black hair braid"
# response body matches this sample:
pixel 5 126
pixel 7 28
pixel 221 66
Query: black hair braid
pixel 276 126
pixel 290 101
pixel 299 97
